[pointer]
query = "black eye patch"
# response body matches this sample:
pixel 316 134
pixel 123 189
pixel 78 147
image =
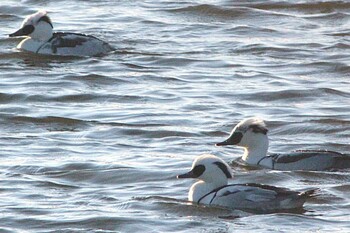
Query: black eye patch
pixel 27 29
pixel 198 170
pixel 224 169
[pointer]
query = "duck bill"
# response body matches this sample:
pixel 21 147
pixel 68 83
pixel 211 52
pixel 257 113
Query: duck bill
pixel 189 174
pixel 234 139
pixel 24 31
pixel 224 143
pixel 19 32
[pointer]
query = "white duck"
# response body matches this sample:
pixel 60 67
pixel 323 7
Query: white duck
pixel 212 189
pixel 41 39
pixel 251 134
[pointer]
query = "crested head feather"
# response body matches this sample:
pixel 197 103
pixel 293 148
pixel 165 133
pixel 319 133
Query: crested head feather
pixel 211 161
pixel 206 159
pixel 256 124
pixel 34 18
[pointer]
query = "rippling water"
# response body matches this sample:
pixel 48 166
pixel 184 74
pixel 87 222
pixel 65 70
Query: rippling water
pixel 94 144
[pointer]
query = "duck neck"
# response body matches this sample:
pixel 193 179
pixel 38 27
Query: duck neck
pixel 256 151
pixel 43 32
pixel 201 188
pixel 31 45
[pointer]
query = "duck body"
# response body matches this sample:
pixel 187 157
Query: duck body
pixel 256 197
pixel 251 134
pixel 67 44
pixel 213 189
pixel 311 160
pixel 41 39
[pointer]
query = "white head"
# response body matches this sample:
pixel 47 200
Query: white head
pixel 212 173
pixel 38 26
pixel 209 169
pixel 248 133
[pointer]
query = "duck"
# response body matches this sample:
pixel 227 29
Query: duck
pixel 251 134
pixel 213 189
pixel 40 39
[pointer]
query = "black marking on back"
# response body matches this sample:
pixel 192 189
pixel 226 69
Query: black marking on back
pixel 60 40
pixel 198 170
pixel 258 128
pixel 339 160
pixel 329 152
pixel 292 158
pixel 280 192
pixel 224 169
pixel 62 34
pixel 229 193
pixel 46 19
pixel 268 187
pixel 215 191
pixel 266 157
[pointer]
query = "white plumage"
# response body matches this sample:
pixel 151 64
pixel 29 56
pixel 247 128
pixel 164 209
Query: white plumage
pixel 41 39
pixel 251 134
pixel 213 189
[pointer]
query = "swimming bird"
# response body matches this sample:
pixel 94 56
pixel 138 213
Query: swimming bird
pixel 213 189
pixel 251 134
pixel 41 39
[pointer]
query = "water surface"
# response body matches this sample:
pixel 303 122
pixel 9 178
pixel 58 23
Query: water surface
pixel 94 144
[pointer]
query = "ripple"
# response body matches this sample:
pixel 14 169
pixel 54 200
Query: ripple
pixel 305 7
pixel 94 144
